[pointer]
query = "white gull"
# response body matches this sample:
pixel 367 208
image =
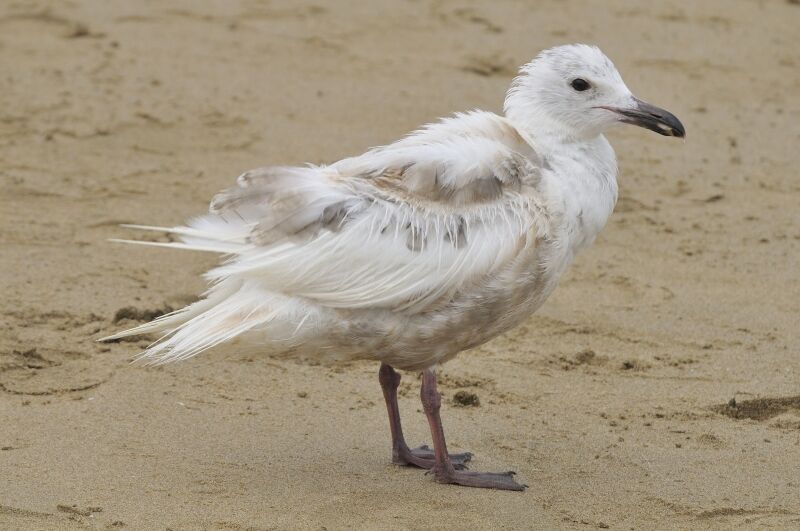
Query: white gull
pixel 412 252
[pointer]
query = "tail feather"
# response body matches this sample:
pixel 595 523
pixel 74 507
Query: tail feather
pixel 208 233
pixel 268 207
pixel 216 247
pixel 173 320
pixel 231 309
pixel 193 231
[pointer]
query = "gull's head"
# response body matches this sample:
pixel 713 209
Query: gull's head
pixel 576 91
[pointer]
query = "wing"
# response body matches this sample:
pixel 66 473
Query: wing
pixel 400 227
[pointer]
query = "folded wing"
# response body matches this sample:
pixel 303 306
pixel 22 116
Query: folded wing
pixel 400 227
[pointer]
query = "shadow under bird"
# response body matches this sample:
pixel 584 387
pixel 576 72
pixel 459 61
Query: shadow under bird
pixel 413 252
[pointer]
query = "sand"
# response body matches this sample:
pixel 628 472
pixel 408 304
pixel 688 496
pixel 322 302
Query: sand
pixel 658 388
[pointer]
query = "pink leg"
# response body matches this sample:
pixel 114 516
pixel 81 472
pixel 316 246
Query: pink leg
pixel 422 456
pixel 443 469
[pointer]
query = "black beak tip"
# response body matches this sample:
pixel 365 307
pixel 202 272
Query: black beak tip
pixel 653 118
pixel 678 130
pixel 673 127
pixel 662 122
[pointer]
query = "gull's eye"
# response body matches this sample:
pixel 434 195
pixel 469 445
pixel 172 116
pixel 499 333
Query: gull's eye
pixel 580 84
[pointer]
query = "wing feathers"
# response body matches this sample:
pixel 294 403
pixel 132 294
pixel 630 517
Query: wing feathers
pixel 399 227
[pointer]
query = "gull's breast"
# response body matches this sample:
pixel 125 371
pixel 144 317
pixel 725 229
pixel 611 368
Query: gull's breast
pixel 473 316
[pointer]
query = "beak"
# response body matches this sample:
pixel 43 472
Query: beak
pixel 650 117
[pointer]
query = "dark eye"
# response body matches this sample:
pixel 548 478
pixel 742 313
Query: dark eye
pixel 580 84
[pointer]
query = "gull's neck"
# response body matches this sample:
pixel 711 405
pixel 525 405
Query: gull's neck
pixel 583 170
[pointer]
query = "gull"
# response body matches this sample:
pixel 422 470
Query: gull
pixel 415 251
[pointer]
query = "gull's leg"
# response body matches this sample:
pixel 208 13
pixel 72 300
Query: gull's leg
pixel 401 453
pixel 443 469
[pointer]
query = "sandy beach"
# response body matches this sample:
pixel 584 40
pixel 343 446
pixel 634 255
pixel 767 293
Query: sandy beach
pixel 659 387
